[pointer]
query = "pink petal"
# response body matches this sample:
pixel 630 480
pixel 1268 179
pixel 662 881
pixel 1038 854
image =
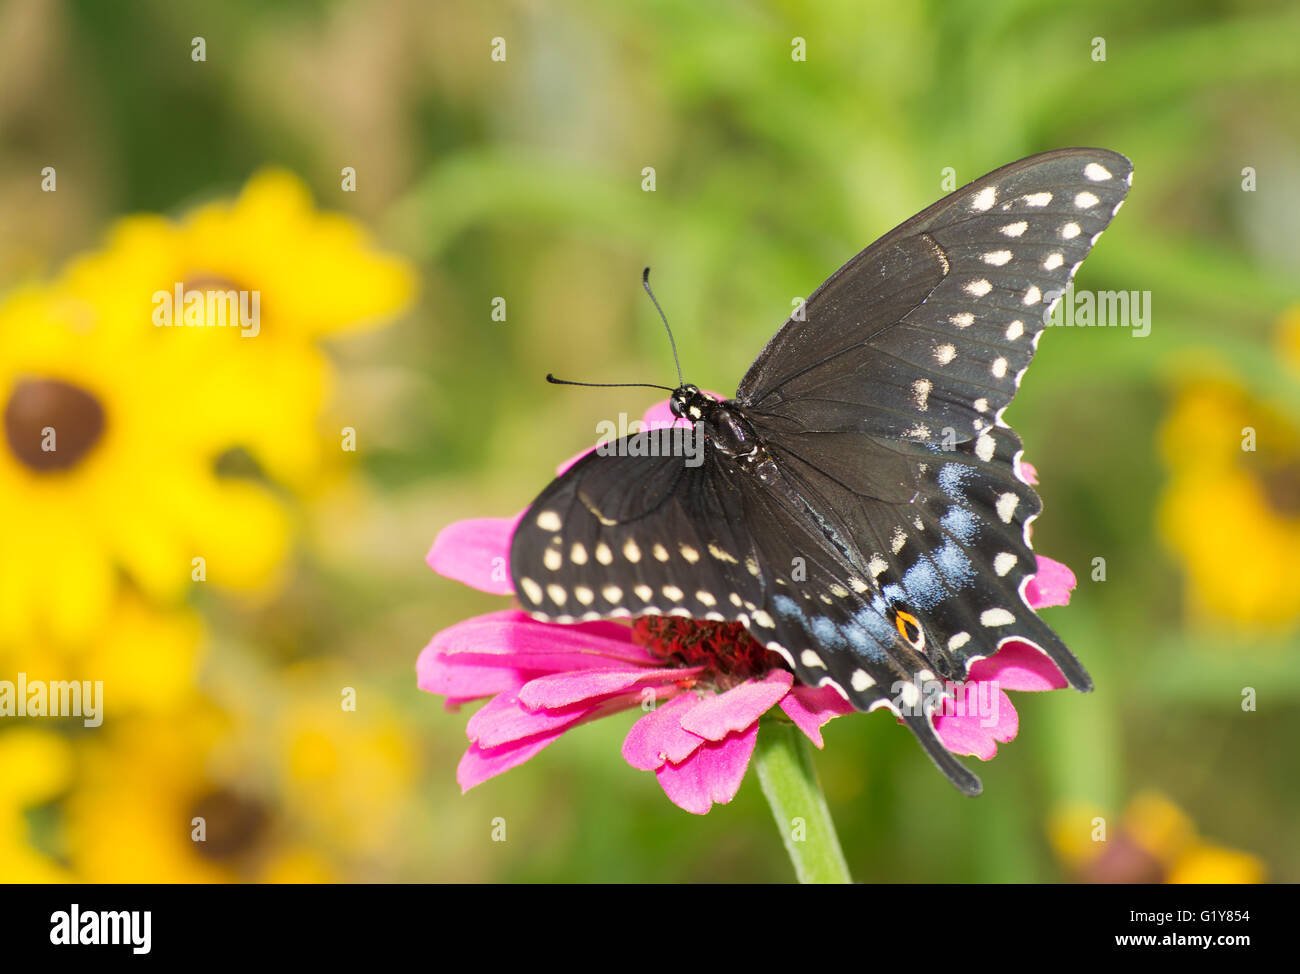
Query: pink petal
pixel 1028 472
pixel 974 733
pixel 503 719
pixel 713 773
pixel 1018 666
pixel 566 689
pixel 464 681
pixel 512 638
pixel 658 736
pixel 480 763
pixel 738 708
pixel 476 552
pixel 809 708
pixel 1051 586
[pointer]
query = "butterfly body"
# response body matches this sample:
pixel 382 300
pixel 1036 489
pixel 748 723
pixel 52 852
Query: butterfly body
pixel 860 504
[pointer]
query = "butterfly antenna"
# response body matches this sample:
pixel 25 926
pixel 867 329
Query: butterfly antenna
pixel 645 281
pixel 604 385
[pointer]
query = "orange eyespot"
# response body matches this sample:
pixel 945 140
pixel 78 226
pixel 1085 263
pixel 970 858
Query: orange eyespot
pixel 909 627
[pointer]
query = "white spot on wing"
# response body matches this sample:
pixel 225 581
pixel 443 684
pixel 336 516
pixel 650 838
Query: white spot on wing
pixel 1015 330
pixel 862 680
pixel 984 447
pixel 996 617
pixel 996 257
pixel 532 590
pixel 1038 199
pixel 1015 229
pixel 1096 172
pixel 721 555
pixel 1052 262
pixel 549 521
pixel 1006 505
pixel 921 393
pixel 1003 562
pixel 984 199
pixel 945 353
pixel 1085 200
pixel 963 319
pixel 978 288
pixel 1069 231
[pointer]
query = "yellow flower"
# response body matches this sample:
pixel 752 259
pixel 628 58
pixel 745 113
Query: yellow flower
pixel 106 467
pixel 146 658
pixel 1231 509
pixel 299 792
pixel 37 767
pixel 294 788
pixel 348 773
pixel 143 783
pixel 307 274
pixel 1154 842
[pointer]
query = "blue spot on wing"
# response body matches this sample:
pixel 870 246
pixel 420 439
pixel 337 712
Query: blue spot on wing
pixel 788 609
pixel 828 633
pixel 961 523
pixel 952 478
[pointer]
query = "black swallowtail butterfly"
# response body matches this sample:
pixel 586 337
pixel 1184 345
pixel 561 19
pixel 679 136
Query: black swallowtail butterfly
pixel 860 506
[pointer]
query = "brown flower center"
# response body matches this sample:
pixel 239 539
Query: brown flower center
pixel 726 649
pixel 1282 488
pixel 1124 861
pixel 233 824
pixel 51 425
pixel 206 281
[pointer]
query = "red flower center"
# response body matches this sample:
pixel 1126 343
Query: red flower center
pixel 726 649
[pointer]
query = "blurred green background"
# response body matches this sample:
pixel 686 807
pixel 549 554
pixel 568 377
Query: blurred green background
pixel 523 179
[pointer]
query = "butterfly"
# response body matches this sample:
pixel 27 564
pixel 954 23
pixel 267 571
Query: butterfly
pixel 859 505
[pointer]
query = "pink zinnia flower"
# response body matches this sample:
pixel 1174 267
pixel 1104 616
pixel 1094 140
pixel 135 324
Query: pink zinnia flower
pixel 702 686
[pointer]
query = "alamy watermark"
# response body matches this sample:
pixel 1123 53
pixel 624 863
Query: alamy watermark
pixel 980 698
pixel 208 307
pixel 1099 309
pixel 53 698
pixel 635 439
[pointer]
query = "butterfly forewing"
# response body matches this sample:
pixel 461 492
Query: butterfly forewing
pixel 624 535
pixel 932 325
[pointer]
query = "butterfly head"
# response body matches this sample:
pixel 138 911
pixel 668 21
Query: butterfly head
pixel 689 403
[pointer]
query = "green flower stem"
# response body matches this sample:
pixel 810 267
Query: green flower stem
pixel 789 780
